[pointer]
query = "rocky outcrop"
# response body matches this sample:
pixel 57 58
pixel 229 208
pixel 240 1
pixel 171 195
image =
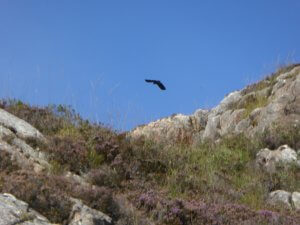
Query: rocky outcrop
pixel 250 111
pixel 19 127
pixel 14 211
pixel 281 157
pixel 178 127
pixel 284 198
pixel 26 156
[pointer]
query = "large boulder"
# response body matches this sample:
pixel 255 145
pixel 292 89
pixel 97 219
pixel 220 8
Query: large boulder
pixel 14 211
pixel 270 160
pixel 284 198
pixel 280 197
pixel 20 127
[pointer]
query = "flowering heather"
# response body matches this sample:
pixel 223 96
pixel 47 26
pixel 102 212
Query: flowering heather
pixel 184 212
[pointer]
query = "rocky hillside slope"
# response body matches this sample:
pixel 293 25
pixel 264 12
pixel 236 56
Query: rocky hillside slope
pixel 251 111
pixel 238 163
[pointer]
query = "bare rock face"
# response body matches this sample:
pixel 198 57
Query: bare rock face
pixel 269 160
pixel 250 111
pixel 14 211
pixel 84 215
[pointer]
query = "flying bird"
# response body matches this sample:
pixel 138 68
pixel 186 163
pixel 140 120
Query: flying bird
pixel 158 83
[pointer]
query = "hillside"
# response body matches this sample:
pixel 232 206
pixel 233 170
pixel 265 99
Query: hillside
pixel 238 163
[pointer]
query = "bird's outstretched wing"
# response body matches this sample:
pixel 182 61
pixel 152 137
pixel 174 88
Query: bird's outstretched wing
pixel 158 83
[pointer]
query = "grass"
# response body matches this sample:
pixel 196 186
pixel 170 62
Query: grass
pixel 253 103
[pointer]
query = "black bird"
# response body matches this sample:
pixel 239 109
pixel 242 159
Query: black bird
pixel 158 83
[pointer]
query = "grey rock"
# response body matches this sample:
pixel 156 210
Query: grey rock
pixel 12 132
pixel 25 155
pixel 280 197
pixel 242 126
pixel 84 215
pixel 174 128
pixel 269 160
pixel 19 126
pixel 212 128
pixel 228 121
pixel 229 102
pixel 14 211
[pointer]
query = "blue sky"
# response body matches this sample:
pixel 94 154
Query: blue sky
pixel 95 55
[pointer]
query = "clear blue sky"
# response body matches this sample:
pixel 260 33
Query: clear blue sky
pixel 95 55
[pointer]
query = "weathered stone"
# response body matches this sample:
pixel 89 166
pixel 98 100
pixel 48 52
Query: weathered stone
pixel 212 128
pixel 19 126
pixel 242 126
pixel 280 197
pixel 269 160
pixel 228 121
pixel 229 102
pixel 25 155
pixel 84 215
pixel 14 211
pixel 174 128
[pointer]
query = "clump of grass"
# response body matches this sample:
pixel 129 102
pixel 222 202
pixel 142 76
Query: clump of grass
pixel 253 102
